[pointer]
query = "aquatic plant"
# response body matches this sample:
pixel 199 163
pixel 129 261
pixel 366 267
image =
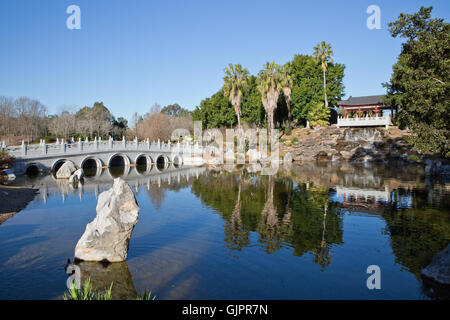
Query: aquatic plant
pixel 87 292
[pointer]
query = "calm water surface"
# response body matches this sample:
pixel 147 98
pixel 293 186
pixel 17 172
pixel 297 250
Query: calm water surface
pixel 229 233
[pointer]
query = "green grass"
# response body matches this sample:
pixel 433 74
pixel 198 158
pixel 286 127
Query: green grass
pixel 87 292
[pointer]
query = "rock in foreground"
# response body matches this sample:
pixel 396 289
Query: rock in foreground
pixel 108 235
pixel 66 170
pixel 439 268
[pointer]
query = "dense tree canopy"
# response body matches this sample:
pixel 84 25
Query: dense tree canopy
pixel 306 89
pixel 420 81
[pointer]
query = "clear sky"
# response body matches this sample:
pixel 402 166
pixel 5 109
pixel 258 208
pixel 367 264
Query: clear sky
pixel 131 54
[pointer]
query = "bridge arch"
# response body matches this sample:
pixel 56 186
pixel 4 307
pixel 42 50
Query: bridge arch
pixel 98 162
pixel 139 157
pixel 58 163
pixel 177 160
pixel 32 169
pixel 143 160
pixel 126 159
pixel 161 162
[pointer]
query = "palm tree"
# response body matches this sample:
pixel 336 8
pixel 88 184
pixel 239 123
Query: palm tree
pixel 235 79
pixel 322 54
pixel 287 83
pixel 269 84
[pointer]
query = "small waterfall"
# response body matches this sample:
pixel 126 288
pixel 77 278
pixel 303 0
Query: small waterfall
pixel 362 134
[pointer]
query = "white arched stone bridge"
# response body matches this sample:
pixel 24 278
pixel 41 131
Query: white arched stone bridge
pixel 97 153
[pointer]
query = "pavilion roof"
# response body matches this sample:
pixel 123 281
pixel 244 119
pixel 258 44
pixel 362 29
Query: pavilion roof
pixel 362 101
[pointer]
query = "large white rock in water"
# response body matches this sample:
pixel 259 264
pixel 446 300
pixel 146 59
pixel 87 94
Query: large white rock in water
pixel 66 170
pixel 77 176
pixel 108 235
pixel 439 268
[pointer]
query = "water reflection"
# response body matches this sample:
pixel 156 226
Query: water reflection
pixel 304 208
pixel 102 275
pixel 332 218
pixel 155 182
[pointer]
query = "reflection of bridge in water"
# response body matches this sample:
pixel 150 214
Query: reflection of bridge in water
pixel 49 186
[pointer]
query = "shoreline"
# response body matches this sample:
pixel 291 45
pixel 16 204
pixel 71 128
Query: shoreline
pixel 13 199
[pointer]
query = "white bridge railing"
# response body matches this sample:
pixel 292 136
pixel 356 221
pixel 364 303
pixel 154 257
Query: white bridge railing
pixel 81 147
pixel 364 121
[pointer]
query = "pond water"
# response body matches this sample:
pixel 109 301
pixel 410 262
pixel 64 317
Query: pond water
pixel 309 232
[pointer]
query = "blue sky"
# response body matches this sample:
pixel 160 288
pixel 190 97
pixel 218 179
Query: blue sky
pixel 131 54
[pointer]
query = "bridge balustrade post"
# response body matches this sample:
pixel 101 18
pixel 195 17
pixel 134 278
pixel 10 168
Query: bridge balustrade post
pixel 110 143
pixel 80 145
pixel 44 147
pixel 136 142
pixel 124 142
pixel 24 148
pixel 148 143
pixel 159 144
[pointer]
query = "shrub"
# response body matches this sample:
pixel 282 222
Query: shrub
pixel 6 161
pixel 319 115
pixel 294 140
pixel 287 128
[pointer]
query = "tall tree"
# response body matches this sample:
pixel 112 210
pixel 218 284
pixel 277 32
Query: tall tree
pixel 269 84
pixel 234 81
pixel 175 110
pixel 322 54
pixel 287 84
pixel 420 81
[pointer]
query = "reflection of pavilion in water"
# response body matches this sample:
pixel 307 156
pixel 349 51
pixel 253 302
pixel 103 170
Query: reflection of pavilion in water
pixel 362 199
pixel 49 186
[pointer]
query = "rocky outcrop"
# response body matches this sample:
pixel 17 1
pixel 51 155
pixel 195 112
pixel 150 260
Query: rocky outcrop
pixel 357 145
pixel 439 268
pixel 66 170
pixel 77 176
pixel 108 235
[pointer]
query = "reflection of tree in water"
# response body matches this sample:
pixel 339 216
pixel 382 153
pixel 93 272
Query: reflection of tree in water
pixel 418 232
pixel 322 254
pixel 268 227
pixel 235 234
pixel 156 194
pixel 157 191
pixel 283 215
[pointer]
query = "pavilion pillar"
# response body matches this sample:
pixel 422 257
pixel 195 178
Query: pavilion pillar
pixel 359 112
pixel 345 113
pixel 376 111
